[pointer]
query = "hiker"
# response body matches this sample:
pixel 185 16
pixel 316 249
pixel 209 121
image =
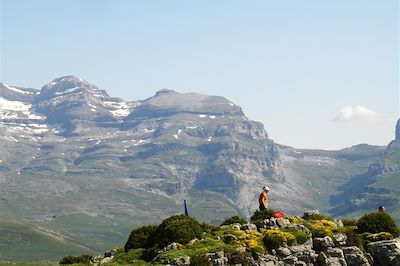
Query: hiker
pixel 381 209
pixel 263 198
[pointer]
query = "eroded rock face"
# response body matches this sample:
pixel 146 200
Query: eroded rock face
pixel 355 257
pixel 386 252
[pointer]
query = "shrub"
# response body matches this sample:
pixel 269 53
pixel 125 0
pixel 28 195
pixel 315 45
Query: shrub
pixel 140 237
pixel 83 259
pixel 301 237
pixel 149 254
pixel 262 215
pixel 200 260
pixel 274 239
pixel 133 256
pixel 354 239
pixel 233 220
pixel 317 217
pixel 377 222
pixel 321 228
pixel 349 222
pixel 208 228
pixel 178 228
pixel 258 250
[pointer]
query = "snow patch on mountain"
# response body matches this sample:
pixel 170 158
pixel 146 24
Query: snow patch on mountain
pixel 13 105
pixel 17 90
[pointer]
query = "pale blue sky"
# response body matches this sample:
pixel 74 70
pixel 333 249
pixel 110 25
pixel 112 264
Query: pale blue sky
pixel 292 65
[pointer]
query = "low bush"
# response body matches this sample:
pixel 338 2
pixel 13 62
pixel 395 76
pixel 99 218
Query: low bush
pixel 274 239
pixel 132 257
pixel 140 237
pixel 149 254
pixel 349 222
pixel 178 228
pixel 321 228
pixel 301 237
pixel 82 259
pixel 200 260
pixel 258 215
pixel 233 220
pixel 208 228
pixel 354 239
pixel 377 222
pixel 317 217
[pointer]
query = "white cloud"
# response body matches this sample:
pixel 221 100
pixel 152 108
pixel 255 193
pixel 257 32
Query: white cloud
pixel 358 112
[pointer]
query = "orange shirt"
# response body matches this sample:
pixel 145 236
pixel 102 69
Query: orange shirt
pixel 263 199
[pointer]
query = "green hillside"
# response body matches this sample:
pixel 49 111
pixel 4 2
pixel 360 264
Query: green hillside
pixel 26 241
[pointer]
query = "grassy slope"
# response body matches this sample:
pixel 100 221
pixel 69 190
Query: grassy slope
pixel 25 241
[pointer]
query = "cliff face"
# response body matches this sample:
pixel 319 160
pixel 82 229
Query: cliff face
pixel 398 130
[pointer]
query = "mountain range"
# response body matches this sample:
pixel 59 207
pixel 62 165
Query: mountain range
pixel 89 167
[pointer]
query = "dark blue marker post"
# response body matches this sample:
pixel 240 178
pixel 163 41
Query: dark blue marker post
pixel 185 208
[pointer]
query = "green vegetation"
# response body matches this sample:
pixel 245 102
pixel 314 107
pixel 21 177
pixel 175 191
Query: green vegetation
pixel 300 236
pixel 258 215
pixel 234 219
pixel 82 259
pixel 141 237
pixel 377 222
pixel 132 257
pixel 28 241
pixel 317 217
pixel 178 228
pixel 274 239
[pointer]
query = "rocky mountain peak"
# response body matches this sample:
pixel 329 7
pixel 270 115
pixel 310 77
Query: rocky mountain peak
pixel 164 91
pixel 169 102
pixel 398 130
pixel 67 86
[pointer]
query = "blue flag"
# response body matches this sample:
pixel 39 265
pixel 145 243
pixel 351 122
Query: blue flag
pixel 185 208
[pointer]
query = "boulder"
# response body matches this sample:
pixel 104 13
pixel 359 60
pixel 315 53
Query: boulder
pixel 386 252
pixel 268 224
pixel 322 243
pixel 290 260
pixel 235 226
pixel 283 222
pixel 172 246
pixel 339 223
pixel 355 257
pixel 110 253
pixel 268 260
pixel 218 258
pixel 326 259
pixel 248 226
pixel 106 260
pixel 340 239
pixel 184 261
pixel 283 251
pixel 304 253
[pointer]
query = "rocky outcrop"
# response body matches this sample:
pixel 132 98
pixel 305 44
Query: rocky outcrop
pixel 386 253
pixel 398 130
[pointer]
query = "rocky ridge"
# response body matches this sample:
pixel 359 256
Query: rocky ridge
pixel 246 244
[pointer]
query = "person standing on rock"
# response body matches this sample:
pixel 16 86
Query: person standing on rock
pixel 263 198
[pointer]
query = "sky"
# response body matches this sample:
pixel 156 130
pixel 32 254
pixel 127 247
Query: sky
pixel 317 74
